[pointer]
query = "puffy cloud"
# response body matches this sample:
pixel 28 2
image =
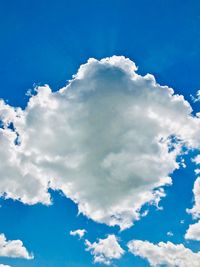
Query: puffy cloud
pixel 78 232
pixel 105 250
pixel 108 140
pixel 195 211
pixel 196 159
pixel 193 232
pixel 3 265
pixel 167 254
pixel 13 249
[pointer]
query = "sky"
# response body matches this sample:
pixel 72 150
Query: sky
pixel 99 156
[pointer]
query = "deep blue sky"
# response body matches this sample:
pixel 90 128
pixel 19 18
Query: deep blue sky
pixel 44 42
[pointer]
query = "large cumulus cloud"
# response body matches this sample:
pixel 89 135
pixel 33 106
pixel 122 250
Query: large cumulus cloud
pixel 109 141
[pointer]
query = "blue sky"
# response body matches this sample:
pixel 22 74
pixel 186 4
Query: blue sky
pixel 45 42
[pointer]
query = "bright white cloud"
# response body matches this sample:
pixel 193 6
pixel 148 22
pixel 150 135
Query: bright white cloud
pixel 193 232
pixel 3 265
pixel 13 249
pixel 79 232
pixel 195 211
pixel 105 250
pixel 167 254
pixel 108 140
pixel 196 159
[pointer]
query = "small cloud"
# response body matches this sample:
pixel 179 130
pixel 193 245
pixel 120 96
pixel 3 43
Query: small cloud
pixel 196 98
pixel 197 171
pixel 182 163
pixel 79 232
pixel 29 92
pixel 196 159
pixel 170 233
pixel 143 214
pixel 105 250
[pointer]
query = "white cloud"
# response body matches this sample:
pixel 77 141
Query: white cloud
pixel 195 211
pixel 196 159
pixel 197 171
pixel 108 140
pixel 197 97
pixel 170 233
pixel 167 254
pixel 78 232
pixel 13 249
pixel 182 163
pixel 193 232
pixel 105 250
pixel 3 265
